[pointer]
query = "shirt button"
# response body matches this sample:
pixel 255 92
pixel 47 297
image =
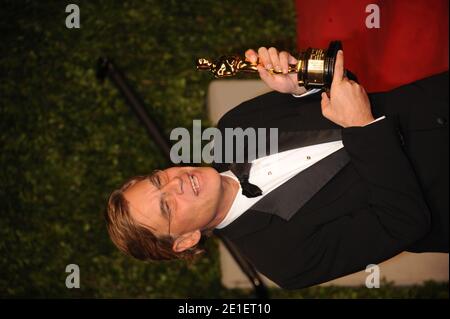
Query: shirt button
pixel 308 157
pixel 269 173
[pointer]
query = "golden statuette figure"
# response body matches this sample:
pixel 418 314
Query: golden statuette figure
pixel 314 69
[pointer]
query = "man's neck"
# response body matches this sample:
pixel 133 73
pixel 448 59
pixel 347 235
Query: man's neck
pixel 230 188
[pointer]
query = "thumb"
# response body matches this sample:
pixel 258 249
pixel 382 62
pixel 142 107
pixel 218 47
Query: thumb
pixel 339 67
pixel 325 103
pixel 292 60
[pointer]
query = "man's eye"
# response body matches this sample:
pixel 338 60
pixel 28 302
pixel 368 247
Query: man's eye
pixel 161 179
pixel 157 180
pixel 165 208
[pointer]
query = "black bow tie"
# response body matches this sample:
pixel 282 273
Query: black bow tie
pixel 242 172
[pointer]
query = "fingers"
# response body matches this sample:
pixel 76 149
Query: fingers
pixel 339 67
pixel 251 56
pixel 264 58
pixel 325 104
pixel 273 53
pixel 264 74
pixel 272 65
pixel 272 59
pixel 284 61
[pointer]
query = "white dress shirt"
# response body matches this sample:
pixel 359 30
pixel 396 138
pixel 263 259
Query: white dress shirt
pixel 271 171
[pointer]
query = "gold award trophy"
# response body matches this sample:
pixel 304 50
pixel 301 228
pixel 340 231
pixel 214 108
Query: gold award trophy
pixel 314 69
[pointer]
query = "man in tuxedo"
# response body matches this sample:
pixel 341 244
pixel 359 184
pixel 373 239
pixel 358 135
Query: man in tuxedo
pixel 356 180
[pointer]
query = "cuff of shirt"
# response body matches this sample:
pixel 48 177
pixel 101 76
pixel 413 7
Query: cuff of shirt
pixel 376 120
pixel 312 91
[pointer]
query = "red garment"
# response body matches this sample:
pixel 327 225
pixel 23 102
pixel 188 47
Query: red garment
pixel 411 43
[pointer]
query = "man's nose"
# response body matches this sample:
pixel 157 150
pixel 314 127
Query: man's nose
pixel 175 186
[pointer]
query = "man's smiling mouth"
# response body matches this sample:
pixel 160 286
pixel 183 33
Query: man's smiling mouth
pixel 194 183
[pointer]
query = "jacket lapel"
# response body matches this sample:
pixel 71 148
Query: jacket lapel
pixel 291 196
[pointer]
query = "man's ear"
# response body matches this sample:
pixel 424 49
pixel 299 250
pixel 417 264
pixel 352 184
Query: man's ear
pixel 186 241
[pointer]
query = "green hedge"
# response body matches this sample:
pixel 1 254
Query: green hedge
pixel 68 140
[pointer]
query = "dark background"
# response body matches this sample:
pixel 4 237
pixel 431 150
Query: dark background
pixel 68 140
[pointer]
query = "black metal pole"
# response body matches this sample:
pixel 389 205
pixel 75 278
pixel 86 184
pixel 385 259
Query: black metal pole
pixel 259 288
pixel 106 68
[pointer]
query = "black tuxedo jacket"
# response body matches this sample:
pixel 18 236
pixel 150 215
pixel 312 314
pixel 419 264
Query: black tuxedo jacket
pixel 391 196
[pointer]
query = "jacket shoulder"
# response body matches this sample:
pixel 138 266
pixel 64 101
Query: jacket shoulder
pixel 262 104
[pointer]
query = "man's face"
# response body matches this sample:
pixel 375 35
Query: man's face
pixel 187 196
